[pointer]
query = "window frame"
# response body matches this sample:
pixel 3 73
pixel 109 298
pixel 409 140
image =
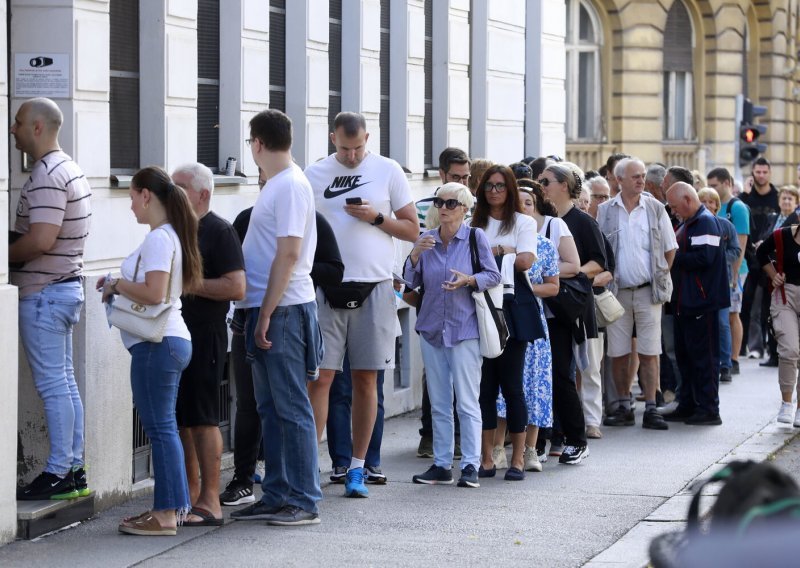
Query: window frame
pixel 573 50
pixel 670 99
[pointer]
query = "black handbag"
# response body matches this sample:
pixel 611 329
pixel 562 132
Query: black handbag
pixel 348 295
pixel 522 311
pixel 573 296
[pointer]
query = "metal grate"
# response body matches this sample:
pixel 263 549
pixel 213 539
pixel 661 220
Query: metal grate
pixel 277 55
pixel 334 63
pixel 141 450
pixel 208 83
pixel 124 87
pixel 428 124
pixel 385 76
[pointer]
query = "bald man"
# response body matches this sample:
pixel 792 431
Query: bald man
pixel 53 220
pixel 701 290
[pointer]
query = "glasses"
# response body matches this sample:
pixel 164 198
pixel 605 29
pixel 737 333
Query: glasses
pixel 438 202
pixel 458 179
pixel 600 197
pixel 546 182
pixel 249 141
pixel 499 187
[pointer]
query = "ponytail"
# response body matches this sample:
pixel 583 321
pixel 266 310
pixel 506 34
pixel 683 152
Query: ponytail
pixel 182 218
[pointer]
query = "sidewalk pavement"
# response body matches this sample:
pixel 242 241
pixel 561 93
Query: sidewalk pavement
pixel 604 511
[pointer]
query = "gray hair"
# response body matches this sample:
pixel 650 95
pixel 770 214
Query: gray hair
pixel 200 177
pixel 597 180
pixel 46 110
pixel 622 165
pixel 656 174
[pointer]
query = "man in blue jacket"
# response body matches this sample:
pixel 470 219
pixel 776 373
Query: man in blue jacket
pixel 701 291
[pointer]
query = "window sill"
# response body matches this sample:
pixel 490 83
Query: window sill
pixel 120 181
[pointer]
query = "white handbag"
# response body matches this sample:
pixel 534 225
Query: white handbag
pixel 607 308
pixel 492 326
pixel 142 320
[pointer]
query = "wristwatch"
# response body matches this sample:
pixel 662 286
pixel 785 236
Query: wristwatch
pixel 378 220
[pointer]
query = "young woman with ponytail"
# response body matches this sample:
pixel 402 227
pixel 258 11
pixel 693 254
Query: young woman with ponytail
pixel 166 264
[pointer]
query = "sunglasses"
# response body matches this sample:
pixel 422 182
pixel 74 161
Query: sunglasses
pixel 545 182
pixel 496 187
pixel 438 202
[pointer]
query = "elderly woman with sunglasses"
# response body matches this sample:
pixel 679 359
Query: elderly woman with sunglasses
pixel 510 232
pixel 441 262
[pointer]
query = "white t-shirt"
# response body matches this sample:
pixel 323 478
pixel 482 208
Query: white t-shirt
pixel 522 237
pixel 284 208
pixel 156 251
pixel 558 229
pixel 367 251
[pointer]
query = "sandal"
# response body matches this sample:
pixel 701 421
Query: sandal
pixel 206 519
pixel 146 525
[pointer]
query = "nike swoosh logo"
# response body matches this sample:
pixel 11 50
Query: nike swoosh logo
pixel 331 194
pixel 388 361
pixel 54 484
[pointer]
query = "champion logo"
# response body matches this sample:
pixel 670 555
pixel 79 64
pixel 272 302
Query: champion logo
pixel 343 184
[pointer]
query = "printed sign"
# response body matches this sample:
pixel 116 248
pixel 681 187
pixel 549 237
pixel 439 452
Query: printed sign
pixel 41 75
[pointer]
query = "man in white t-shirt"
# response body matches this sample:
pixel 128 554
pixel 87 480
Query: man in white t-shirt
pixel 282 332
pixel 357 192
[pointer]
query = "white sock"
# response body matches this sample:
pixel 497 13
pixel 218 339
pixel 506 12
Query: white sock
pixel 354 463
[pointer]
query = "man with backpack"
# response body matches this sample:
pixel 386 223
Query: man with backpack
pixel 735 211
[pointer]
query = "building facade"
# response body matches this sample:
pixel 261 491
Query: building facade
pixel 171 81
pixel 658 79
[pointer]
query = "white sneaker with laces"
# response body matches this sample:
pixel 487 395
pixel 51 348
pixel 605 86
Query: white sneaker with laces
pixel 499 457
pixel 787 413
pixel 532 462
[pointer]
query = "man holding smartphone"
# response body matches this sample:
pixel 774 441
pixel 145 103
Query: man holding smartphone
pixel 359 316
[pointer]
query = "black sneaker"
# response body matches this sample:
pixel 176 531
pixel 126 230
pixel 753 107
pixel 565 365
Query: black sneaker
pixel 375 475
pixel 48 486
pixel 620 417
pixel 725 375
pixel 338 474
pixel 652 420
pixel 81 485
pixel 291 516
pixel 678 415
pixel 237 493
pixel 435 475
pixel 258 511
pixel 573 455
pixel 469 477
pixel 425 448
pixel 541 454
pixel 771 362
pixel 704 419
pixel 735 368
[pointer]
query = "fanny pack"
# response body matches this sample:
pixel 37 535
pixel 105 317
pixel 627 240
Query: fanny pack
pixel 348 295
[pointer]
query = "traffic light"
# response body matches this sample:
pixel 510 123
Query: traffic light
pixel 750 132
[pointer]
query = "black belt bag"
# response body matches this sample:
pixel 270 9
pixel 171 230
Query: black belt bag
pixel 348 295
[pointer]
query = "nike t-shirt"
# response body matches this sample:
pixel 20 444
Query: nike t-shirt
pixel 367 251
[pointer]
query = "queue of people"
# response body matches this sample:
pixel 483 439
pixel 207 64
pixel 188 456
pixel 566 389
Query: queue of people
pixel 611 277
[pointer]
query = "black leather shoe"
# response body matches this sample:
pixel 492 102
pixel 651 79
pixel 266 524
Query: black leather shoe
pixel 654 421
pixel 725 375
pixel 620 417
pixel 678 416
pixel 704 419
pixel 771 362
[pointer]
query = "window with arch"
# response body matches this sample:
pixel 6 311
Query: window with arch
pixel 584 86
pixel 679 43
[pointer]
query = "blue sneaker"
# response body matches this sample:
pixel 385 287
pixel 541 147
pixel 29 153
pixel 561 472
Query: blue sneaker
pixel 354 483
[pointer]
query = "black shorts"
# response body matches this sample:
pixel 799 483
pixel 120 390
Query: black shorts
pixel 198 394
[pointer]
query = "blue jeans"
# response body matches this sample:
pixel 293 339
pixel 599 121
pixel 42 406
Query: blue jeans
pixel 454 368
pixel 46 320
pixel 725 338
pixel 340 436
pixel 155 374
pixel 287 419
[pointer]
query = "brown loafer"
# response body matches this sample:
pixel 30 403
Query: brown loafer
pixel 135 517
pixel 146 525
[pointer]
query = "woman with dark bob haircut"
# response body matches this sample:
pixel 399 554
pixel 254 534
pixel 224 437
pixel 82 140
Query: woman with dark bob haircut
pixel 510 232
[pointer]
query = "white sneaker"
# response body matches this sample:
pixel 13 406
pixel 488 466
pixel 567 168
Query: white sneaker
pixel 532 462
pixel 499 457
pixel 797 419
pixel 787 414
pixel 755 354
pixel 668 408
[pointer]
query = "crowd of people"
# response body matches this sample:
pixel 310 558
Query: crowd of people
pixel 631 273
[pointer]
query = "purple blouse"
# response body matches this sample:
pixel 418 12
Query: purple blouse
pixel 447 318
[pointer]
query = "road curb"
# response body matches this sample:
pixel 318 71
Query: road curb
pixel 631 551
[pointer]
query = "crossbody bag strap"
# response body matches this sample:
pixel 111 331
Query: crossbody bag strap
pixel 778 235
pixel 171 265
pixel 473 251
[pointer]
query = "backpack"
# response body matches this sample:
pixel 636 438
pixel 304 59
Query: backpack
pixel 749 247
pixel 755 496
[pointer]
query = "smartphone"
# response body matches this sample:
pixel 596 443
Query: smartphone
pixel 353 201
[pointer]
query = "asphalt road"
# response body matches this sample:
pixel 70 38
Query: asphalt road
pixel 563 516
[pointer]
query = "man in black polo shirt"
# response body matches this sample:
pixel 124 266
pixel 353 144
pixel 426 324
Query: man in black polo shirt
pixel 205 313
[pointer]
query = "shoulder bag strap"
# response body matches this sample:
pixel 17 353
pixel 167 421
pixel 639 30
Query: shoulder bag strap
pixel 171 263
pixel 473 251
pixel 778 236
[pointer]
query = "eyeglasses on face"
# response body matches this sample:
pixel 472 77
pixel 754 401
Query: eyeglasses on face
pixel 438 202
pixel 458 179
pixel 600 197
pixel 498 187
